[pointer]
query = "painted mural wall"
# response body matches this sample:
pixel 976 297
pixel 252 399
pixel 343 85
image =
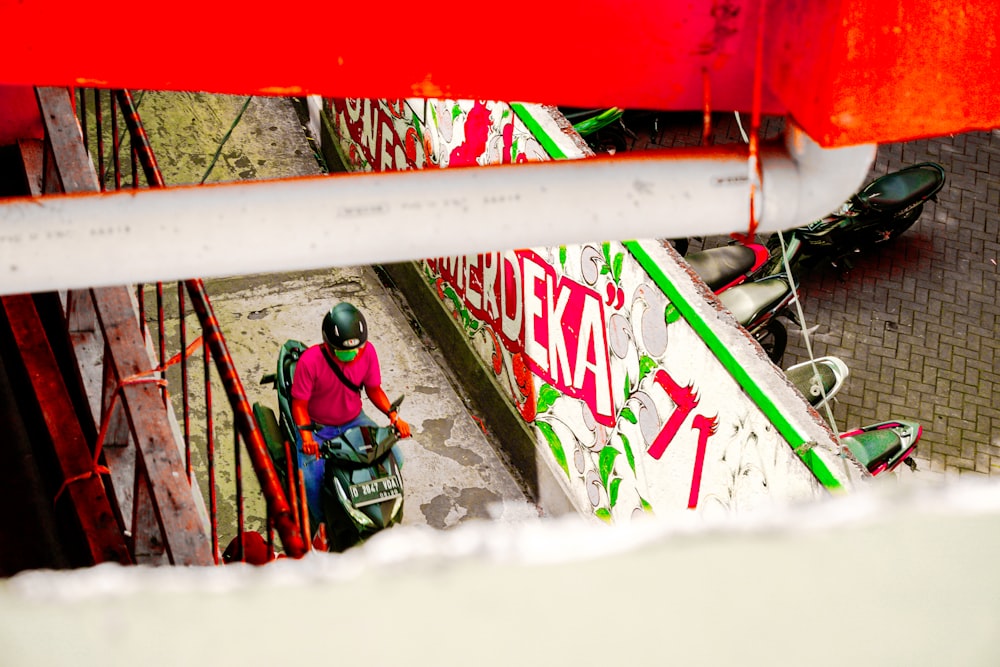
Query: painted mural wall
pixel 630 407
pixel 378 135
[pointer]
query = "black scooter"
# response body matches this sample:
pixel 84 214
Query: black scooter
pixel 883 210
pixel 757 306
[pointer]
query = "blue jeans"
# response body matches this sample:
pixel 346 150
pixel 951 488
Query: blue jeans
pixel 313 467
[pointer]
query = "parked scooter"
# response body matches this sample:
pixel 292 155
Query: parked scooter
pixel 882 447
pixel 757 306
pixel 818 380
pixel 727 266
pixel 362 488
pixel 602 129
pixel 879 447
pixel 883 210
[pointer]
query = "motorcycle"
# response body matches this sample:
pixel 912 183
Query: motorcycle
pixel 818 380
pixel 879 447
pixel 757 306
pixel 884 446
pixel 727 266
pixel 880 212
pixel 602 129
pixel 361 484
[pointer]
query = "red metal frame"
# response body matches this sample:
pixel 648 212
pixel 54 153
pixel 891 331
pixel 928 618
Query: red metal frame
pixel 81 473
pixel 848 71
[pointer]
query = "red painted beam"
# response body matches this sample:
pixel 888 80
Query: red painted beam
pixel 859 71
pixel 82 486
pixel 849 71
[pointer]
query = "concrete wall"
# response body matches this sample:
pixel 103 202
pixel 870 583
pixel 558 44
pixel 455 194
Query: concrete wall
pixel 636 393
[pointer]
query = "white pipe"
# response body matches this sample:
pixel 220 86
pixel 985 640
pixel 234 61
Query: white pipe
pixel 61 242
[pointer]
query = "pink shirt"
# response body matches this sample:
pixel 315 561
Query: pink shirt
pixel 331 403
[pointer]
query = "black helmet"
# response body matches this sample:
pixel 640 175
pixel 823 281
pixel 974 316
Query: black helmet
pixel 344 327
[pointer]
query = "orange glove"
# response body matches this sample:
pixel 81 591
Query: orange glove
pixel 402 428
pixel 309 445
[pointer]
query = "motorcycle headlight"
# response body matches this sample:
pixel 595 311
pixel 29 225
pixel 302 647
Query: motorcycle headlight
pixel 358 516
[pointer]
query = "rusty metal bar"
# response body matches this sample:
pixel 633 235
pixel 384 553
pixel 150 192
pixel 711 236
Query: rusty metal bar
pixel 82 112
pixel 238 472
pixel 181 311
pixel 116 144
pixel 210 449
pixel 140 142
pixel 161 337
pixel 99 120
pixel 140 298
pixel 81 479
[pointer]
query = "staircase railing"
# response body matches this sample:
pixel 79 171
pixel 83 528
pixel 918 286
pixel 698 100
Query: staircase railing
pixel 115 339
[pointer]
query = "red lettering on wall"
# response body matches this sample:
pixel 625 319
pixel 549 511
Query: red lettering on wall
pixel 556 323
pixel 685 399
pixel 706 428
pixel 371 125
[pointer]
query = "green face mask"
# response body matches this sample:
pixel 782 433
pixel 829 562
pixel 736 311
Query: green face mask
pixel 347 355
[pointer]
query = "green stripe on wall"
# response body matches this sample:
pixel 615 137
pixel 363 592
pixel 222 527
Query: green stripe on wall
pixel 547 142
pixel 725 356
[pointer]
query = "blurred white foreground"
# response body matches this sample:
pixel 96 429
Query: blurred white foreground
pixel 895 575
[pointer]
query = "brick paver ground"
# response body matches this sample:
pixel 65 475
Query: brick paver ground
pixel 916 319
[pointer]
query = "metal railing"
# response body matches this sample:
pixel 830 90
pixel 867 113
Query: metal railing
pixel 133 399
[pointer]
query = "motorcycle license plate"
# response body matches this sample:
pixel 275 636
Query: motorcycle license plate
pixel 375 491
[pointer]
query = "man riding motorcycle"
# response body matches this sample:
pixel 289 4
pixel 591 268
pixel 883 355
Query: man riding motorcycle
pixel 326 392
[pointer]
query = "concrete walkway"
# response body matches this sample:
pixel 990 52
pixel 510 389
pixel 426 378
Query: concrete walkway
pixel 451 473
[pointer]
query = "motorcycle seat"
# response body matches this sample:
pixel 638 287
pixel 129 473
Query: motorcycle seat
pixel 718 267
pixel 747 302
pixel 831 372
pixel 874 449
pixel 288 362
pixel 902 187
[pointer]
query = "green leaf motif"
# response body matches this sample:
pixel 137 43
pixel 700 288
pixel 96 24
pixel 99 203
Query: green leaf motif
pixel 604 514
pixel 646 365
pixel 617 271
pixel 547 396
pixel 646 507
pixel 606 463
pixel 470 323
pixel 454 298
pixel 555 444
pixel 613 493
pixel 627 387
pixel 671 314
pixel 606 248
pixel 562 256
pixel 456 111
pixel 628 416
pixel 629 456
